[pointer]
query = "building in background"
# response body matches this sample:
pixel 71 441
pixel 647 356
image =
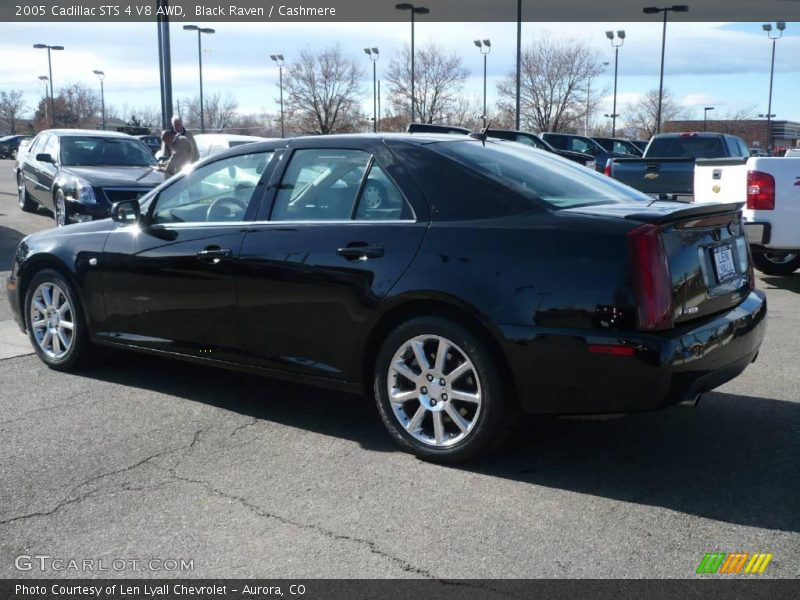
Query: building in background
pixel 786 134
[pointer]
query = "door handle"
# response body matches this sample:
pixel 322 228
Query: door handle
pixel 214 254
pixel 360 251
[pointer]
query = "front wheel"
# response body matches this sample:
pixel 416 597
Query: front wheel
pixel 56 326
pixel 439 392
pixel 773 263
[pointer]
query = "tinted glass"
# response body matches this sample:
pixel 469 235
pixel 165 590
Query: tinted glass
pixel 381 199
pixel 217 192
pixel 51 147
pixel 38 143
pixel 686 147
pixel 529 141
pixel 98 151
pixel 320 185
pixel 538 175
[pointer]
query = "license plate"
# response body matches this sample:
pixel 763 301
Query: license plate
pixel 723 263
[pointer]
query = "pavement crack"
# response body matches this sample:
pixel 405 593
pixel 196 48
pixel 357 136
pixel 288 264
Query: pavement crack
pixel 250 423
pixel 65 404
pixel 371 546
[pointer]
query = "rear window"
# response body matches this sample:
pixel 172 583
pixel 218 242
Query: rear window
pixel 686 147
pixel 539 175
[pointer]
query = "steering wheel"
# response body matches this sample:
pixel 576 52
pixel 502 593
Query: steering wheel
pixel 374 194
pixel 225 209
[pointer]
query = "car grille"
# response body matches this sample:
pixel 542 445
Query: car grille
pixel 120 195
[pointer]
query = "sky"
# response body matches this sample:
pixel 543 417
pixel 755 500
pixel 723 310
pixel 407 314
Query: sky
pixel 725 65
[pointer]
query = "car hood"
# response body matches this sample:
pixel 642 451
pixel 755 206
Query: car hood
pixel 145 177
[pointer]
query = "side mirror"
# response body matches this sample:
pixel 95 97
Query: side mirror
pixel 44 157
pixel 126 212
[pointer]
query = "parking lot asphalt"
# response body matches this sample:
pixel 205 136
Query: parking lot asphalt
pixel 144 458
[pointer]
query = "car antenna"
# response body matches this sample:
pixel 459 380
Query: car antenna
pixel 483 135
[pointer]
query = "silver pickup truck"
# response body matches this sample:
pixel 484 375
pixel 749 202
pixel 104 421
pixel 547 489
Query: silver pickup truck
pixel 666 170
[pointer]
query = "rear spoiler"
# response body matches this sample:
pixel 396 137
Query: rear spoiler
pixel 692 211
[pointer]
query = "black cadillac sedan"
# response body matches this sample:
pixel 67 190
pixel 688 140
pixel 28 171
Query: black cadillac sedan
pixel 459 280
pixel 78 174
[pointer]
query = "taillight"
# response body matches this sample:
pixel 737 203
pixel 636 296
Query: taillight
pixel 651 279
pixel 760 191
pixel 607 168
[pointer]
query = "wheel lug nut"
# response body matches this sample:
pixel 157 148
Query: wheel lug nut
pixel 424 390
pixel 444 397
pixel 430 377
pixel 433 402
pixel 442 382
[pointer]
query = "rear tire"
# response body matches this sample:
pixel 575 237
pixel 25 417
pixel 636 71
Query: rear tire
pixel 25 202
pixel 454 407
pixel 772 263
pixel 55 321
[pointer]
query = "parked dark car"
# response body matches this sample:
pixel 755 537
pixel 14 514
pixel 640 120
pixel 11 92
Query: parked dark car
pixel 640 144
pixel 666 170
pixel 522 137
pixel 459 280
pixel 79 174
pixel 9 145
pixel 619 146
pixel 151 141
pixel 580 143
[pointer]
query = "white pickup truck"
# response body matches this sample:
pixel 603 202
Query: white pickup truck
pixel 770 189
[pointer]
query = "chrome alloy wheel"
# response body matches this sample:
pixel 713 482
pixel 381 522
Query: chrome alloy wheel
pixel 434 390
pixel 52 320
pixel 372 196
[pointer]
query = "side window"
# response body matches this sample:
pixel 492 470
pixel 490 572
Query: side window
pixel 37 144
pixel 523 139
pixel 51 147
pixel 381 199
pixel 579 145
pixel 557 141
pixel 219 191
pixel 320 185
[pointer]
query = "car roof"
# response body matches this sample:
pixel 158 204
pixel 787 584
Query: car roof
pixel 229 136
pixel 86 133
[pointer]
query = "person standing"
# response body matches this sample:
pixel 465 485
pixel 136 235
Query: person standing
pixel 180 151
pixel 179 129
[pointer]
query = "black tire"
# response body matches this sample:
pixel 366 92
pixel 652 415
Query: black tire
pixel 491 425
pixel 60 210
pixel 780 265
pixel 79 348
pixel 25 201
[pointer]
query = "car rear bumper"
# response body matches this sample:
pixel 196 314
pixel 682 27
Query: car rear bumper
pixel 554 371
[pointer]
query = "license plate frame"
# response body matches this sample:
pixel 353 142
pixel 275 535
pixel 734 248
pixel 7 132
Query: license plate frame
pixel 724 265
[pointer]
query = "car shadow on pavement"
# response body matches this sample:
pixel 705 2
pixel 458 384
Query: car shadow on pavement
pixel 790 283
pixel 732 459
pixel 9 240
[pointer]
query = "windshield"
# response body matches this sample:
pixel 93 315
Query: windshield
pixel 101 152
pixel 557 181
pixel 686 147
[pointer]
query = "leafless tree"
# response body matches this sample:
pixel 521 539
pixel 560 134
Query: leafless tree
pixel 323 92
pixel 465 112
pixel 218 111
pixel 75 106
pixel 439 77
pixel 11 105
pixel 556 74
pixel 641 117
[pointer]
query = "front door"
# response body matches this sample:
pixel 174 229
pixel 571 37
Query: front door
pixel 170 284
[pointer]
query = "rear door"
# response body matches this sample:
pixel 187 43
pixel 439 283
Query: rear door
pixel 170 285
pixel 337 234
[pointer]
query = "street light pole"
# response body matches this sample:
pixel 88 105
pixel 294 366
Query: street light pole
pixel 519 58
pixel 373 56
pixel 650 10
pixel 780 26
pixel 705 117
pixel 481 44
pixel 101 75
pixel 45 79
pixel 278 60
pixel 50 70
pixel 616 45
pixel 415 10
pixel 200 31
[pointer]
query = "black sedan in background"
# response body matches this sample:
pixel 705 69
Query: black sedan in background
pixel 458 280
pixel 9 145
pixel 78 174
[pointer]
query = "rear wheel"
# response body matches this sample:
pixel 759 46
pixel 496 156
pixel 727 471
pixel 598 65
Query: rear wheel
pixel 774 263
pixel 25 202
pixel 439 392
pixel 55 322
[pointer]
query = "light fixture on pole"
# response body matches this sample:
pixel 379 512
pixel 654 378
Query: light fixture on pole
pixel 616 42
pixel 278 60
pixel 50 78
pixel 101 76
pixel 705 117
pixel 652 10
pixel 485 46
pixel 415 10
pixel 775 35
pixel 200 31
pixel 373 56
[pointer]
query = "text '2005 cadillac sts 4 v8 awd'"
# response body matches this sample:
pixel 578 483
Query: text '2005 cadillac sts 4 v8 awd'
pixel 459 280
